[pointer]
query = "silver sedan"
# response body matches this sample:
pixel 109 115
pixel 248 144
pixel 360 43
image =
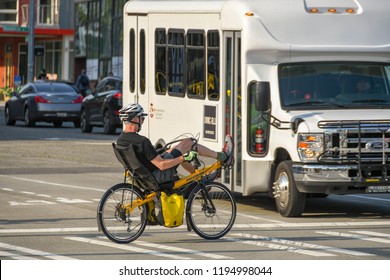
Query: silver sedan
pixel 49 101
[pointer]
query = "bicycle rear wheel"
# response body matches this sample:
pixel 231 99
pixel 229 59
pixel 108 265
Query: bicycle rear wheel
pixel 116 223
pixel 211 210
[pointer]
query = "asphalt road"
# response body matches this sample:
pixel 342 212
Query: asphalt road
pixel 51 180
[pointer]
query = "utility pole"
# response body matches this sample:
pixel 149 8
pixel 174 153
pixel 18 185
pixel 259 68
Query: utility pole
pixel 31 24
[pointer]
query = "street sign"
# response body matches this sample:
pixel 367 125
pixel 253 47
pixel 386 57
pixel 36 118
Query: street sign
pixel 15 28
pixel 17 80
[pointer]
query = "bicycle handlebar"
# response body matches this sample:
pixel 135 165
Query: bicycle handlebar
pixel 195 162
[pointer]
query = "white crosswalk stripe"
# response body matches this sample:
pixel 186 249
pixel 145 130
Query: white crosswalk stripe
pixel 181 250
pixel 127 248
pixel 355 236
pixel 294 246
pixel 33 252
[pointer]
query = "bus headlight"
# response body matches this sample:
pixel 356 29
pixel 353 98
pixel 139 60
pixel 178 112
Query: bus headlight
pixel 310 146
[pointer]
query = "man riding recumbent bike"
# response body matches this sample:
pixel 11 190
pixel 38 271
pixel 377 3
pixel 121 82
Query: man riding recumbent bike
pixel 126 208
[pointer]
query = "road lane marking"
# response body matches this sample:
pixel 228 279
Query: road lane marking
pixel 276 244
pixel 48 230
pixel 305 245
pixel 43 202
pixel 355 236
pixel 126 248
pixel 25 192
pixel 51 183
pixel 251 217
pixel 236 226
pixel 71 201
pixel 315 224
pixel 378 234
pixel 182 250
pixel 34 252
pixel 31 203
pixel 15 256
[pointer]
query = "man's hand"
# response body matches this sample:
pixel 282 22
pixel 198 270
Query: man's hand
pixel 189 156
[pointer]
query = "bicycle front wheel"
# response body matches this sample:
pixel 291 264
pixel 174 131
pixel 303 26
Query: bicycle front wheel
pixel 211 210
pixel 114 218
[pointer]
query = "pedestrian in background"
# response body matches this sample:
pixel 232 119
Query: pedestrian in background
pixel 83 83
pixel 43 75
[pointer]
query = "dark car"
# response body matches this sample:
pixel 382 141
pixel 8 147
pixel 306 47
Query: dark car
pixel 101 108
pixel 47 101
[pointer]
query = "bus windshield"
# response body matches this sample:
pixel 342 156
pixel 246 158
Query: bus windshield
pixel 334 85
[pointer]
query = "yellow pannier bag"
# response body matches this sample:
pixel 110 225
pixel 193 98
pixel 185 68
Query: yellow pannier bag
pixel 172 209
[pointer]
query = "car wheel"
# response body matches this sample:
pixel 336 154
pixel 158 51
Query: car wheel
pixel 107 123
pixel 7 115
pixel 84 122
pixel 76 124
pixel 27 118
pixel 57 123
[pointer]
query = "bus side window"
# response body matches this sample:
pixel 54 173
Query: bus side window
pixel 195 64
pixel 160 62
pixel 213 65
pixel 176 62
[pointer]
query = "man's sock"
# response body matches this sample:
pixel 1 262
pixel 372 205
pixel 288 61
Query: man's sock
pixel 221 156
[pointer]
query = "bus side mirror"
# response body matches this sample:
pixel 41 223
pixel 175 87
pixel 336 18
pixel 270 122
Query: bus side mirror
pixel 262 96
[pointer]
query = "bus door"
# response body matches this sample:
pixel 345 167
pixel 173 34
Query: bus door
pixel 232 104
pixel 137 63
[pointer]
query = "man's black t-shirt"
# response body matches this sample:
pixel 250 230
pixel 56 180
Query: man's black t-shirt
pixel 143 148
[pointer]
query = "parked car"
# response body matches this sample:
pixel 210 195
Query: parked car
pixel 101 108
pixel 48 101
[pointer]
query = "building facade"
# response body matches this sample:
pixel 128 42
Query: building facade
pixel 99 37
pixel 54 37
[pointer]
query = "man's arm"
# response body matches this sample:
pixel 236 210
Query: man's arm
pixel 162 163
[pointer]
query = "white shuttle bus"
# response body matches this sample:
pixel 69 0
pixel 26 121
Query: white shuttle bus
pixel 303 86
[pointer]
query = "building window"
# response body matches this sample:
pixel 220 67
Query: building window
pixel 81 29
pixel 8 11
pixel 117 37
pixel 105 38
pixel 176 61
pixel 213 81
pixel 93 39
pixel 47 12
pixel 160 62
pixel 52 59
pixel 195 64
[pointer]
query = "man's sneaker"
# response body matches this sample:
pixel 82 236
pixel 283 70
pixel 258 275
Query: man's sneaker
pixel 228 150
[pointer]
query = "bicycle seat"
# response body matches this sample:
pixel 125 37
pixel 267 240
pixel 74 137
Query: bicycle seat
pixel 140 174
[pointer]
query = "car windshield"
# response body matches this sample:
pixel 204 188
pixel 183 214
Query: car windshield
pixel 54 87
pixel 334 85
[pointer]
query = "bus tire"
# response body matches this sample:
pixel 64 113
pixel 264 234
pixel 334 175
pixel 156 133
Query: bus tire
pixel 289 201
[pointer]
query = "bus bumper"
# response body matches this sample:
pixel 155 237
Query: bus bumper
pixel 340 179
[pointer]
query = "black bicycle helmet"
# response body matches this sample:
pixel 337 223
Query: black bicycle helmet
pixel 131 111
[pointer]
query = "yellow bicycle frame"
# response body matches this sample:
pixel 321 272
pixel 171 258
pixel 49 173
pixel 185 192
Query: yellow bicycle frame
pixel 195 176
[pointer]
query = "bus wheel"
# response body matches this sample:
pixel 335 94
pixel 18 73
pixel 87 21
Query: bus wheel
pixel 289 201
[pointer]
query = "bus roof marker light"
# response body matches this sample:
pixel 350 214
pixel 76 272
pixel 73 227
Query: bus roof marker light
pixel 249 14
pixel 314 10
pixel 350 11
pixel 332 10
